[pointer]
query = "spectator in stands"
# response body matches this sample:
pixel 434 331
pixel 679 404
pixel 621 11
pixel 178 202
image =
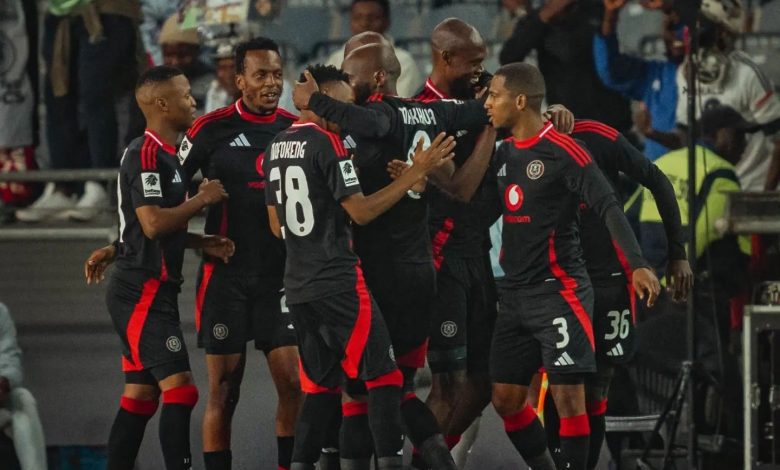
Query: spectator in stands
pixel 181 49
pixel 18 411
pixel 90 51
pixel 731 78
pixel 223 90
pixel 374 15
pixel 561 32
pixel 17 103
pixel 155 13
pixel 653 82
pixel 510 13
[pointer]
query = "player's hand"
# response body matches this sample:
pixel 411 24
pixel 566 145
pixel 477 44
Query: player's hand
pixel 211 191
pixel 561 117
pixel 95 266
pixel 396 168
pixel 439 153
pixel 218 247
pixel 646 285
pixel 642 120
pixel 553 8
pixel 302 91
pixel 614 5
pixel 679 280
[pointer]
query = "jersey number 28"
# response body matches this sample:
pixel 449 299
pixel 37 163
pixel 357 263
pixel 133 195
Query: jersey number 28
pixel 298 211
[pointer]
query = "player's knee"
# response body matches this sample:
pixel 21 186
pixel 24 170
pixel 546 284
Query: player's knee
pixel 290 389
pixel 224 394
pixel 597 385
pixel 507 400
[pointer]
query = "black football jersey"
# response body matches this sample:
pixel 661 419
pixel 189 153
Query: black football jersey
pixel 229 144
pixel 541 181
pixel 457 228
pixel 149 175
pixel 615 155
pixel 309 172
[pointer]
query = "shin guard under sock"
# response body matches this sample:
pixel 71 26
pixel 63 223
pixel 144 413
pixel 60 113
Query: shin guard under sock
pixel 527 435
pixel 175 426
pixel 575 433
pixel 284 450
pixel 313 424
pixel 218 460
pixel 127 432
pixel 356 445
pixel 596 417
pixel 329 459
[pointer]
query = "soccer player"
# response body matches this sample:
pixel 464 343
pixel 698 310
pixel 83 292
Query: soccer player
pixel 394 249
pixel 313 189
pixel 142 293
pixel 547 299
pixel 614 313
pixel 243 300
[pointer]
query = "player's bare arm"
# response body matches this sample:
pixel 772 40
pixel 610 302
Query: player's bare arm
pixel 463 182
pixel 157 221
pixel 363 209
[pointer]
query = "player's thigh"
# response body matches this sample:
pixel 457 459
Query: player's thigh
pixel 320 347
pixel 411 308
pixel 613 323
pixel 271 324
pixel 482 315
pixel 515 354
pixel 222 310
pixel 561 323
pixel 447 349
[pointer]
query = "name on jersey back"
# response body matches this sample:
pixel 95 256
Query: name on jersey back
pixel 416 116
pixel 288 149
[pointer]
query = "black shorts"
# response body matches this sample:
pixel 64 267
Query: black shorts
pixel 614 320
pixel 233 307
pixel 553 330
pixel 341 335
pixel 464 315
pixel 146 317
pixel 405 293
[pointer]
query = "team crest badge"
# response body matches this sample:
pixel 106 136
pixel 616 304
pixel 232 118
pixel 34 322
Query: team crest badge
pixel 535 170
pixel 173 344
pixel 449 329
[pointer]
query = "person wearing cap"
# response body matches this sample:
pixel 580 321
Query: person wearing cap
pixel 724 135
pixel 223 90
pixel 181 49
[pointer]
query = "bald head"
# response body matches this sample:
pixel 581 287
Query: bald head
pixel 455 34
pixel 372 68
pixel 362 39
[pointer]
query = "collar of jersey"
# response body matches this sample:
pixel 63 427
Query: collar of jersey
pixel 429 85
pixel 252 117
pixel 167 147
pixel 531 141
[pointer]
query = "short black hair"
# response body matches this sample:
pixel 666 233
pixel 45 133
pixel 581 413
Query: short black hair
pixel 384 4
pixel 524 79
pixel 160 73
pixel 325 74
pixel 259 43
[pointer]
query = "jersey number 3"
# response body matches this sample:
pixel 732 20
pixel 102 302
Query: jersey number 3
pixel 298 211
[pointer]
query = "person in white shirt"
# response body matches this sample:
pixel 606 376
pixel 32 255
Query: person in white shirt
pixel 222 90
pixel 374 15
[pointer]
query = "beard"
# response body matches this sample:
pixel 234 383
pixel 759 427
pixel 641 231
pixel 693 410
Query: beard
pixel 362 92
pixel 461 88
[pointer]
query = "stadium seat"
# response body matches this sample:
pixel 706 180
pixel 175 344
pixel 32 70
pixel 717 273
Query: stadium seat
pixel 634 24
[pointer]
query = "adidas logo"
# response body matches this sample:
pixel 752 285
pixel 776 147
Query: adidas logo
pixel 502 171
pixel 176 177
pixel 240 141
pixel 616 351
pixel 349 142
pixel 564 360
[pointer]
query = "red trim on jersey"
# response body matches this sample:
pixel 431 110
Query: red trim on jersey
pixel 200 296
pixel 429 85
pixel 575 426
pixel 570 146
pixel 182 395
pixel 309 386
pixel 247 115
pixel 163 267
pixel 587 125
pixel 374 98
pixel 440 239
pixel 354 408
pixel 138 407
pixel 762 101
pixel 359 335
pixel 393 378
pixel 569 284
pixel 408 396
pixel 223 221
pixel 530 142
pixel 414 358
pixel 597 408
pixel 284 113
pixel 149 154
pixel 621 256
pixel 220 113
pixel 135 325
pixel 335 140
pixel 520 420
pixel 167 147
